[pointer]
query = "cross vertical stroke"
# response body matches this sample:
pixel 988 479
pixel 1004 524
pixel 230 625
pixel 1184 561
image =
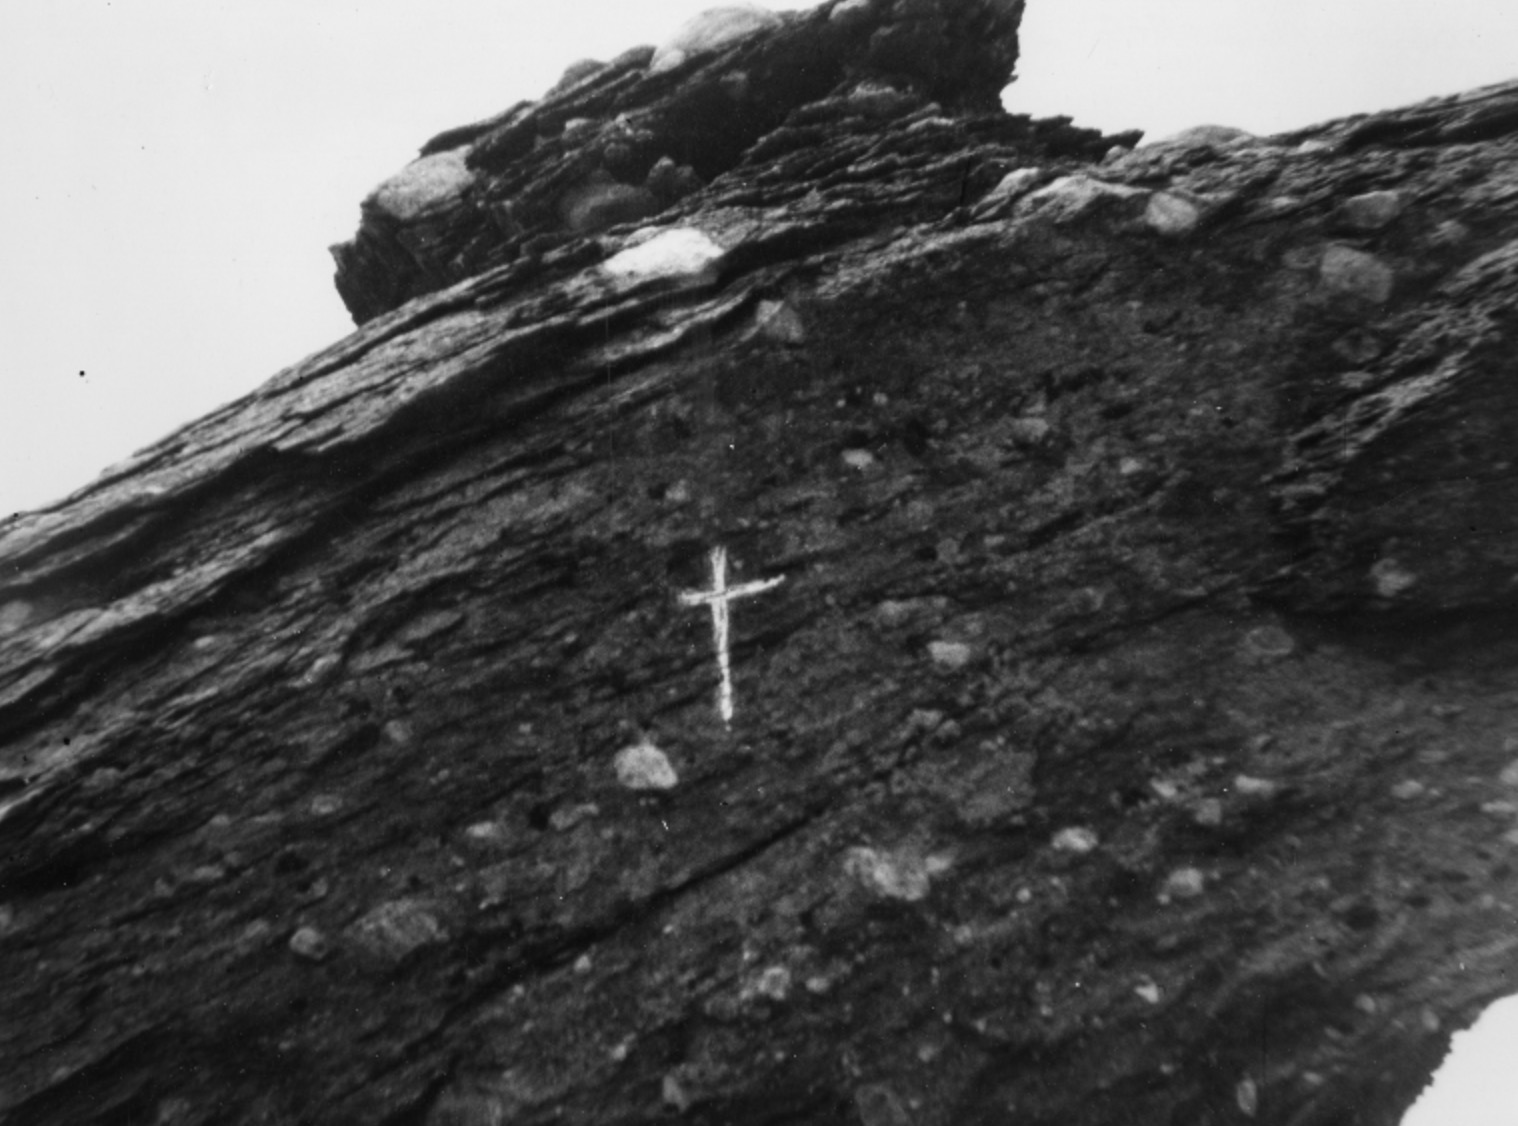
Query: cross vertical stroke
pixel 719 598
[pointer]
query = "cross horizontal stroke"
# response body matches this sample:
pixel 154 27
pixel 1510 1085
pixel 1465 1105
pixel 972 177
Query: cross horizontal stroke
pixel 719 598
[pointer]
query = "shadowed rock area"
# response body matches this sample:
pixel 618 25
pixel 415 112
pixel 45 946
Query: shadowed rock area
pixel 1122 687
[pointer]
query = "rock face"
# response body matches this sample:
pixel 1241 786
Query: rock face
pixel 1115 620
pixel 616 143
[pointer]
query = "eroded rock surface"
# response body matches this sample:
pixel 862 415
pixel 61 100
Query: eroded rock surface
pixel 1130 738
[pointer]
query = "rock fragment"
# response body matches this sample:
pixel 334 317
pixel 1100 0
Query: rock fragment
pixel 1207 136
pixel 1183 883
pixel 1247 1095
pixel 900 874
pixel 1076 839
pixel 878 1105
pixel 644 766
pixel 950 654
pixel 1008 190
pixel 393 930
pixel 1356 273
pixel 1247 786
pixel 779 321
pixel 1074 197
pixel 574 74
pixel 711 31
pixel 1171 215
pixel 606 203
pixel 679 252
pixel 429 183
pixel 1390 578
pixel 310 944
pixel 1370 212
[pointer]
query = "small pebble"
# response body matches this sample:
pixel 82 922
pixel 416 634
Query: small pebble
pixel 673 252
pixel 859 460
pixel 778 321
pixel 1248 1096
pixel 1407 790
pixel 644 766
pixel 1171 215
pixel 903 874
pixel 1271 642
pixel 1371 211
pixel 1029 430
pixel 567 817
pixel 925 719
pixel 674 1093
pixel 321 669
pixel 393 930
pixel 949 654
pixel 1148 991
pixel 1246 786
pixel 774 983
pixel 1183 883
pixel 1076 838
pixel 878 1105
pixel 1391 578
pixel 309 943
pixel 486 831
pixel 1356 274
pixel 1208 812
pixel 712 30
pixel 14 615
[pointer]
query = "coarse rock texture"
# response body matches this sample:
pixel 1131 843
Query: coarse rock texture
pixel 615 143
pixel 1129 737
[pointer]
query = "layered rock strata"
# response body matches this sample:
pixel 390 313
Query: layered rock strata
pixel 1117 727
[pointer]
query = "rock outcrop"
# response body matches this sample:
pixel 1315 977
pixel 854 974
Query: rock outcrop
pixel 621 142
pixel 1107 719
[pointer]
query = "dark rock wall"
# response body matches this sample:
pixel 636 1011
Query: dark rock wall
pixel 1128 738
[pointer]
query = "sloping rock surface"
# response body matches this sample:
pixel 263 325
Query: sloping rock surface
pixel 623 141
pixel 1123 732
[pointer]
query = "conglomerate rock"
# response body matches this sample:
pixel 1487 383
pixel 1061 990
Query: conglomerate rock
pixel 1119 723
pixel 618 142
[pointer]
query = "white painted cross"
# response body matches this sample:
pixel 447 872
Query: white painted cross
pixel 718 598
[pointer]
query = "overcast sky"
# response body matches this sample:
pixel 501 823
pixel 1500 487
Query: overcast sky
pixel 178 168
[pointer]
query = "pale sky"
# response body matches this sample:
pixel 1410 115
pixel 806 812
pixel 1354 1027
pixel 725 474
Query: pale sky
pixel 178 168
